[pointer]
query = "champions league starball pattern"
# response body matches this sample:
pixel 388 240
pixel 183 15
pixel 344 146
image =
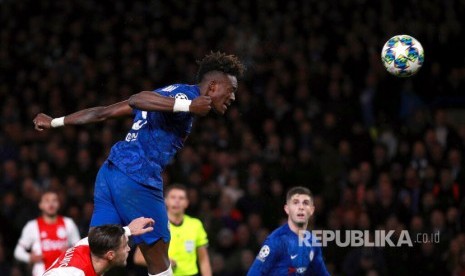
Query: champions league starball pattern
pixel 402 55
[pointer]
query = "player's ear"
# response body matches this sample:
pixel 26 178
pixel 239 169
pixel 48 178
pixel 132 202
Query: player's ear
pixel 211 87
pixel 286 209
pixel 110 255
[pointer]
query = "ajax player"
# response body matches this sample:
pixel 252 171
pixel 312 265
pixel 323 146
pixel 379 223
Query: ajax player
pixel 104 248
pixel 46 237
pixel 129 184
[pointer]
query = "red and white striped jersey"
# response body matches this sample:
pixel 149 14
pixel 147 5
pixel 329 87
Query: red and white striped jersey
pixel 48 240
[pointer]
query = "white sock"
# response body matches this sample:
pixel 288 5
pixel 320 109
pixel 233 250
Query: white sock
pixel 167 272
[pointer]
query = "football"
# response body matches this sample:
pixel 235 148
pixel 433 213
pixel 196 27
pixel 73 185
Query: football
pixel 402 55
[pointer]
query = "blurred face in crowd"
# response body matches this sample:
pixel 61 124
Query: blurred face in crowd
pixel 49 204
pixel 176 201
pixel 299 208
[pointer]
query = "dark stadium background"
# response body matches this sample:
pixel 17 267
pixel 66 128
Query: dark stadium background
pixel 315 108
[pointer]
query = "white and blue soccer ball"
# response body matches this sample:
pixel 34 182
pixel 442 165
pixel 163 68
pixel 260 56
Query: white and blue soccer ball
pixel 402 55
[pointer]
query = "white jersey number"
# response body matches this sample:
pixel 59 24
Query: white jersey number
pixel 132 135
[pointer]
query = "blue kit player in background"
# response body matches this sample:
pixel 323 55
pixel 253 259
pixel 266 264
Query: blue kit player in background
pixel 129 184
pixel 281 253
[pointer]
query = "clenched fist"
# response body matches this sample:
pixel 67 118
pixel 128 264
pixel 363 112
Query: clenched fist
pixel 42 121
pixel 201 105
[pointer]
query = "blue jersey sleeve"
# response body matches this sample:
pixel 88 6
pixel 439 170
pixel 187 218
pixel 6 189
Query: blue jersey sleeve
pixel 317 265
pixel 265 259
pixel 179 91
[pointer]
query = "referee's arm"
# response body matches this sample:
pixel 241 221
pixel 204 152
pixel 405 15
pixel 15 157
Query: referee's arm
pixel 204 261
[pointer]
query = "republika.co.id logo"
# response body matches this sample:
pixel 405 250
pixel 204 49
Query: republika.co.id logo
pixel 365 238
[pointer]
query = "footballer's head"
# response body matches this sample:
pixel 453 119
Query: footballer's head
pixel 299 206
pixel 217 75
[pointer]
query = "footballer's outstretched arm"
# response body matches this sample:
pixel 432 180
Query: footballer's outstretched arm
pixel 145 100
pixel 150 101
pixel 85 116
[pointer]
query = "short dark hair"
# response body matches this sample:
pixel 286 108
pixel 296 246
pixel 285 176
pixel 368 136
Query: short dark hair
pixel 104 238
pixel 48 191
pixel 298 190
pixel 174 186
pixel 217 61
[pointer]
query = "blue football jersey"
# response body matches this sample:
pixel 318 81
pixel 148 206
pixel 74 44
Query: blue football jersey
pixel 154 139
pixel 281 255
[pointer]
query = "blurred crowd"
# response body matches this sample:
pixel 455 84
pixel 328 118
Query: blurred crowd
pixel 316 108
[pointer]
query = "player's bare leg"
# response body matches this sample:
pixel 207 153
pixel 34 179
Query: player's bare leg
pixel 156 256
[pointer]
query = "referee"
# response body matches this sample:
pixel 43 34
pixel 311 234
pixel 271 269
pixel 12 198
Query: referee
pixel 188 237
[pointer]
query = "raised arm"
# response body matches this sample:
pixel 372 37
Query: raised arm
pixel 150 101
pixel 85 116
pixel 145 100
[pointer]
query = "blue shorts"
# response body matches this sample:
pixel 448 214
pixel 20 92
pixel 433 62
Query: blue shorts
pixel 118 200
